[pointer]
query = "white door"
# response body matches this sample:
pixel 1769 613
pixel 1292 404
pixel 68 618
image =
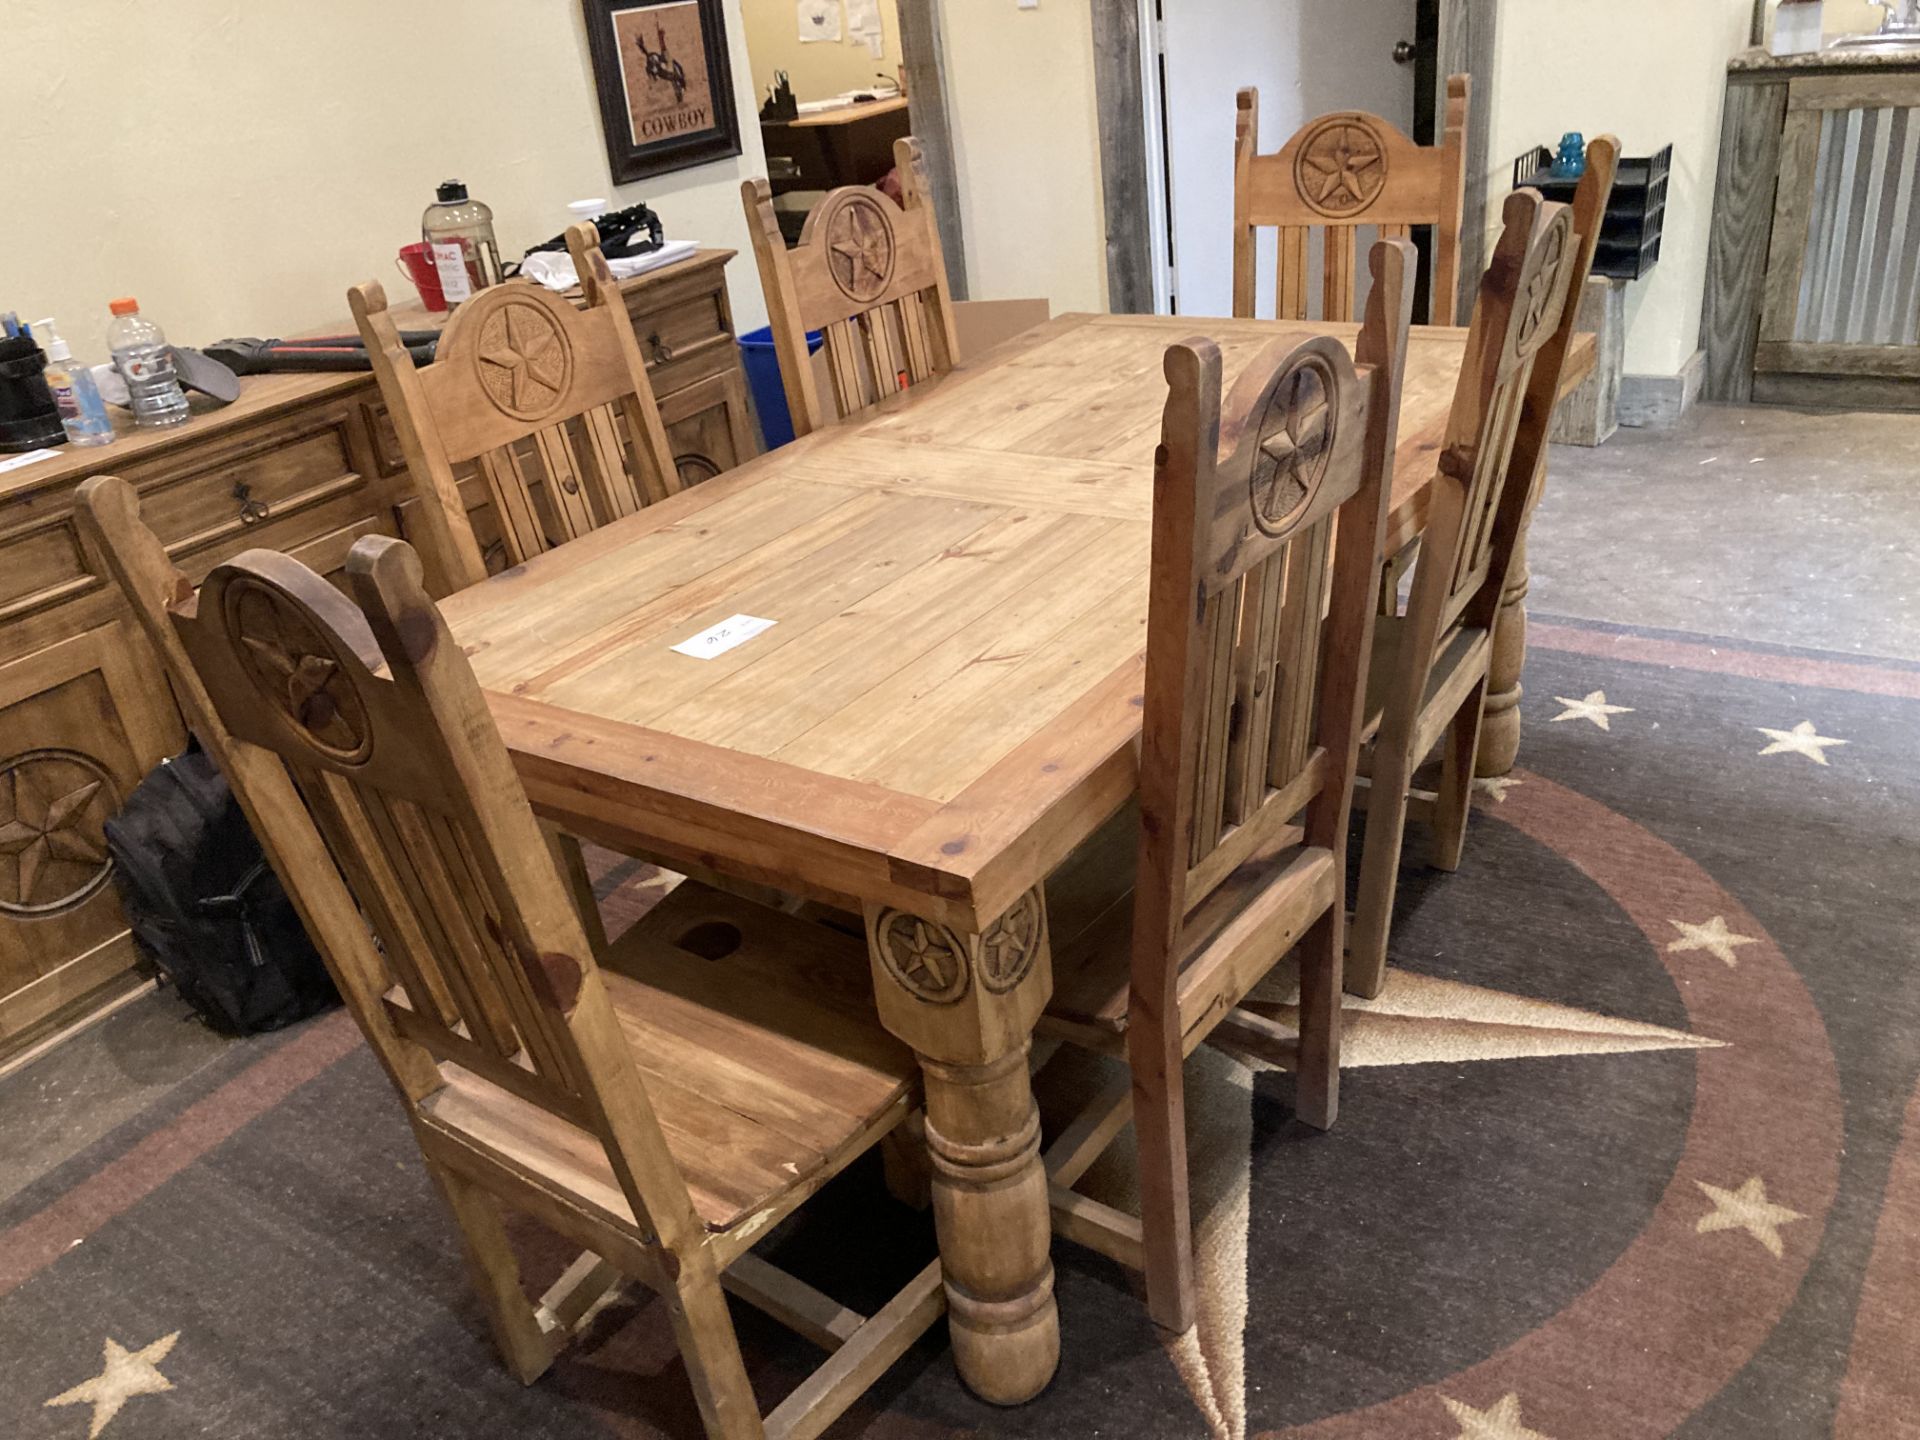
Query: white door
pixel 1307 57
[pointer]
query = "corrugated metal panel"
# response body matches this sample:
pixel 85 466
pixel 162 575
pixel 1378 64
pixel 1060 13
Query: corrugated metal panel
pixel 1861 281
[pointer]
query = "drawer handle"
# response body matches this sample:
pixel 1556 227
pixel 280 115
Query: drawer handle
pixel 252 511
pixel 662 351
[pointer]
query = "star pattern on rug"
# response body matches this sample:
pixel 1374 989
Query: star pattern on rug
pixel 1746 1209
pixel 123 1375
pixel 1495 787
pixel 1415 1020
pixel 1802 739
pixel 1594 707
pixel 1713 937
pixel 1499 1421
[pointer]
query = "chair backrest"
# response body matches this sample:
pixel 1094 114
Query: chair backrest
pixel 1478 499
pixel 870 276
pixel 536 392
pixel 379 721
pixel 1252 705
pixel 1340 172
pixel 109 518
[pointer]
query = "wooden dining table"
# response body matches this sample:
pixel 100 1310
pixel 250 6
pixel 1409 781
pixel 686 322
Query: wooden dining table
pixel 945 706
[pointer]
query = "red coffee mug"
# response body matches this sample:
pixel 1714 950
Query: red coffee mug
pixel 416 263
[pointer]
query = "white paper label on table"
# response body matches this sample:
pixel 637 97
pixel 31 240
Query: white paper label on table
pixel 450 263
pixel 732 631
pixel 32 457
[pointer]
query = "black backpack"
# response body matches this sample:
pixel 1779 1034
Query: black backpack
pixel 205 906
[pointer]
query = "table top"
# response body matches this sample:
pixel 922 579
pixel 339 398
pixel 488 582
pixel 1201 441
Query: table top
pixel 948 700
pixel 846 114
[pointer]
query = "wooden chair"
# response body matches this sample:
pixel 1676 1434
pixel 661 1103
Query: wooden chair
pixel 664 1107
pixel 1427 684
pixel 1251 726
pixel 535 392
pixel 1343 171
pixel 872 277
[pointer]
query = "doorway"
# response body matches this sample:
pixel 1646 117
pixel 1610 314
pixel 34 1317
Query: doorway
pixel 1349 48
pixel 1306 58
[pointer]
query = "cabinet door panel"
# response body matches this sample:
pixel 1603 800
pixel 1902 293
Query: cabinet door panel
pixel 707 426
pixel 82 724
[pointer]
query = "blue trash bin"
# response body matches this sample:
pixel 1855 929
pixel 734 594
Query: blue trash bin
pixel 763 378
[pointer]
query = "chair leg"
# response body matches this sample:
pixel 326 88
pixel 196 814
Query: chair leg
pixel 1160 1125
pixel 573 870
pixel 1317 1088
pixel 904 1162
pixel 711 1351
pixel 1366 967
pixel 496 1275
pixel 1456 779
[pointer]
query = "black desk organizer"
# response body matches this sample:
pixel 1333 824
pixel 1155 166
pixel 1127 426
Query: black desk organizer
pixel 1630 237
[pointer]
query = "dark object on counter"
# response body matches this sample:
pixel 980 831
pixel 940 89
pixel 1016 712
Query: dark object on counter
pixel 206 908
pixel 205 375
pixel 635 230
pixel 253 356
pixel 781 104
pixel 29 419
pixel 1636 212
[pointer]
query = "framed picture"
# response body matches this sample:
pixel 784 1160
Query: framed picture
pixel 666 87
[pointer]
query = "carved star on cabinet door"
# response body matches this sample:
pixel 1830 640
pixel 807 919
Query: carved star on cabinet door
pixel 50 829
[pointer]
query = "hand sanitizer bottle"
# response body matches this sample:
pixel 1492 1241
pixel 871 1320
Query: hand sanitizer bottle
pixel 83 414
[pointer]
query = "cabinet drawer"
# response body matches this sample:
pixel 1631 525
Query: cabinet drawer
pixel 41 565
pixel 265 473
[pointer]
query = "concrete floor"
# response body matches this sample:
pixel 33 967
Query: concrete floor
pixel 1757 524
pixel 1795 527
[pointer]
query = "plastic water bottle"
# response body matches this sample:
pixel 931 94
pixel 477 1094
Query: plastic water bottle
pixel 141 355
pixel 82 412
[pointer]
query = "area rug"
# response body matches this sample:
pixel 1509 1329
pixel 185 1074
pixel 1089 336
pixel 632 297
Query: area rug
pixel 1629 1147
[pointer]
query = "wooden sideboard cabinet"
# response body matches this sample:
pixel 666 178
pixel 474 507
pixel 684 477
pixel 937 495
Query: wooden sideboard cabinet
pixel 306 464
pixel 1813 269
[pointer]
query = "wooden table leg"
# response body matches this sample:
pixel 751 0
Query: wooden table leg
pixel 967 1003
pixel 1500 717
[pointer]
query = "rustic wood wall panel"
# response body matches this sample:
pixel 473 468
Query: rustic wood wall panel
pixel 1123 155
pixel 921 53
pixel 1737 251
pixel 1466 48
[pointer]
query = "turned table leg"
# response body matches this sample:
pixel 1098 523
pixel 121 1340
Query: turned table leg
pixel 967 1003
pixel 1500 719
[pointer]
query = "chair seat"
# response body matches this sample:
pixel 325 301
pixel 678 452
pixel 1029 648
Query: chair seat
pixel 756 1036
pixel 1463 653
pixel 1092 969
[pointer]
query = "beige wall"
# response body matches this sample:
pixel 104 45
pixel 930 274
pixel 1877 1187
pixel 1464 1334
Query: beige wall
pixel 236 164
pixel 1026 137
pixel 1592 68
pixel 819 69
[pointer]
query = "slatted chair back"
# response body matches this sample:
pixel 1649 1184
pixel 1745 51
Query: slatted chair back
pixel 1465 549
pixel 549 401
pixel 871 277
pixel 1340 172
pixel 384 731
pixel 132 555
pixel 1258 625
